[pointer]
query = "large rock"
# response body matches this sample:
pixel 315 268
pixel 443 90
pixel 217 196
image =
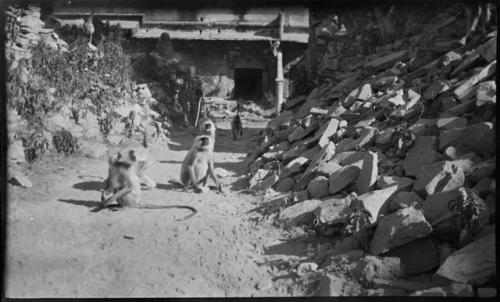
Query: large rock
pixel 422 153
pixel 368 174
pixel 399 228
pixel 319 160
pixel 342 178
pixel 318 187
pixel 479 138
pixel 299 213
pixel 417 256
pixel 295 166
pixel 473 264
pixel 439 177
pixel 285 184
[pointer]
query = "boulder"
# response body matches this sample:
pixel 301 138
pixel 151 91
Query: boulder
pixel 399 228
pixel 417 256
pixel 318 187
pixel 342 178
pixel 368 173
pixel 438 177
pixel 473 264
pixel 285 185
pixel 300 213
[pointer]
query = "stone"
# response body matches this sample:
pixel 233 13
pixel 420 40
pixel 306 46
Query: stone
pixel 466 87
pixel 19 179
pixel 422 153
pixel 479 138
pixel 438 177
pixel 295 166
pixel 363 93
pixel 333 211
pixel 486 93
pixel 306 268
pixel 444 250
pixel 300 213
pixel 269 156
pixel 291 103
pixel 384 137
pixel 284 116
pixel 401 182
pixel 393 99
pixel 259 175
pixel 424 127
pixel 342 178
pixel 485 187
pixel 318 187
pixel 466 162
pixel 403 199
pixel 417 256
pixel 473 264
pixel 336 110
pixel 16 152
pixel 319 160
pixel 375 202
pixel 481 170
pixel 93 149
pixel 449 137
pixel 484 292
pixel 285 185
pixel 327 131
pixel 366 136
pixel 399 228
pixel 436 205
pixel 453 290
pixel 375 267
pixel 349 157
pixel 387 61
pixel 368 173
pixel 331 285
pixel 329 168
pixel 434 89
pixel 311 153
pixel 266 183
pixel 452 122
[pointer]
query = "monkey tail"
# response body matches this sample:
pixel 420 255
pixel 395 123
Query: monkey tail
pixel 145 138
pixel 201 103
pixel 193 210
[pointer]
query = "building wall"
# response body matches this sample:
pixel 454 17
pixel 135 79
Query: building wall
pixel 214 61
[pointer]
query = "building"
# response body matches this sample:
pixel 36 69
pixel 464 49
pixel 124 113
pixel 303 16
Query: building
pixel 228 45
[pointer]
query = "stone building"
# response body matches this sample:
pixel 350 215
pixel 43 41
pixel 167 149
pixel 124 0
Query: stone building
pixel 227 45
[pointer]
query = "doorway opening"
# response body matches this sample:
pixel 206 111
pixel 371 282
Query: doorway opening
pixel 248 83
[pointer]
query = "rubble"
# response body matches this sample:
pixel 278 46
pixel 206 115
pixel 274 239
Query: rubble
pixel 439 177
pixel 299 213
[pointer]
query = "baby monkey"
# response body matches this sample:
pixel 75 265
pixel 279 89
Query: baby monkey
pixel 199 164
pixel 236 126
pixel 123 183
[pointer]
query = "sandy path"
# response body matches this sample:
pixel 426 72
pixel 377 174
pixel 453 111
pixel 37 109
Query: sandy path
pixel 57 248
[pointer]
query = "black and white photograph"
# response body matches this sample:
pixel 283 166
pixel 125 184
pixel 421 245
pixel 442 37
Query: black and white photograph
pixel 250 148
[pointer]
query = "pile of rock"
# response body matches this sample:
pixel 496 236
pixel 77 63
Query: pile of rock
pixel 399 156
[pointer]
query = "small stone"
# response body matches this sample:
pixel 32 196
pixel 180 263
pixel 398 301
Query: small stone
pixel 295 166
pixel 366 136
pixel 473 264
pixel 399 228
pixel 318 187
pixel 449 137
pixel 403 199
pixel 342 178
pixel 479 138
pixel 299 213
pixel 436 205
pixel 467 86
pixel 285 185
pixel 259 175
pixel 452 122
pixel 330 285
pixel 387 181
pixel 311 153
pixel 439 177
pixel 19 179
pixel 368 173
pixel 434 90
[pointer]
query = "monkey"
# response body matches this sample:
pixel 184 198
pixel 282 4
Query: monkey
pixel 236 126
pixel 123 183
pixel 205 125
pixel 143 160
pixel 198 165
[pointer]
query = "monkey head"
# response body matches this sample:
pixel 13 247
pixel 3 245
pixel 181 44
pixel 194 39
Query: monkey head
pixel 125 158
pixel 203 142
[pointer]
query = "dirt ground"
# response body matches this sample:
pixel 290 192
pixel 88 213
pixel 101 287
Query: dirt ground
pixel 56 247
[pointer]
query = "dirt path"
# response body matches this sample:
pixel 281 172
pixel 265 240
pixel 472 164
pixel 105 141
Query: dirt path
pixel 57 248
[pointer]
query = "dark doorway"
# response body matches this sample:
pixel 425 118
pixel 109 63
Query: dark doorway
pixel 248 84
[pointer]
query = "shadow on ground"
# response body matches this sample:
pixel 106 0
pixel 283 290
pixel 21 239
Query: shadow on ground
pixel 85 203
pixel 91 185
